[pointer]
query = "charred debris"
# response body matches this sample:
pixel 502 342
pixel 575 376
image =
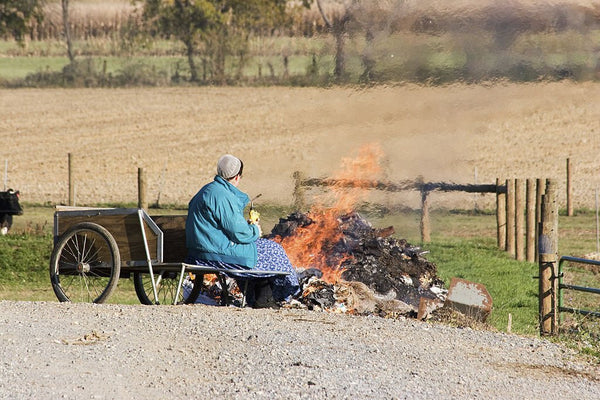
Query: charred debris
pixel 380 274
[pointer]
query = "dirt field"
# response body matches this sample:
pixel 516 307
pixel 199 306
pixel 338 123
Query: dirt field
pixel 455 134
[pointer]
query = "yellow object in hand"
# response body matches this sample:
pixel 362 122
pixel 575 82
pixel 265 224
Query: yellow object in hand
pixel 254 216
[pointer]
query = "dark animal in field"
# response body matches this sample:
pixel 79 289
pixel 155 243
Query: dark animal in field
pixel 9 206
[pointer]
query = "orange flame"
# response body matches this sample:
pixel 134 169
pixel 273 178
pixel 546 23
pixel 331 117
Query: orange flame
pixel 365 166
pixel 313 246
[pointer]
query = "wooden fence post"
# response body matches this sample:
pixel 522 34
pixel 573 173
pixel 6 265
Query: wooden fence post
pixel 71 181
pixel 540 188
pixel 425 230
pixel 519 220
pixel 510 216
pixel 548 261
pixel 569 189
pixel 142 202
pixel 531 221
pixel 298 191
pixel 500 216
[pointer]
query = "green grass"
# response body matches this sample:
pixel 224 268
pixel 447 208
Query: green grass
pixel 510 283
pixel 25 259
pixel 19 67
pixel 23 256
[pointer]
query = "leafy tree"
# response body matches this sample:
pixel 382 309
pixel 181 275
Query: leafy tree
pixel 244 18
pixel 185 20
pixel 218 28
pixel 256 16
pixel 375 19
pixel 18 16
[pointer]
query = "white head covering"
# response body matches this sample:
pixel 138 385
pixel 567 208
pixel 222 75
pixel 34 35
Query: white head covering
pixel 228 166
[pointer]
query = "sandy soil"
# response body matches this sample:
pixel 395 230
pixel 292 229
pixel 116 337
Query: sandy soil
pixel 456 134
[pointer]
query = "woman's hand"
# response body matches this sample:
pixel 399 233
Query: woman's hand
pixel 259 228
pixel 254 216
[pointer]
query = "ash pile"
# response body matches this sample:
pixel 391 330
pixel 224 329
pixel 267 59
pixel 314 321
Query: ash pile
pixel 380 274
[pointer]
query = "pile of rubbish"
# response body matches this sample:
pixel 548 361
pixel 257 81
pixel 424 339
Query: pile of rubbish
pixel 379 274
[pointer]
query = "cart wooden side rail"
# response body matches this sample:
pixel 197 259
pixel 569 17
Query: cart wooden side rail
pixel 94 247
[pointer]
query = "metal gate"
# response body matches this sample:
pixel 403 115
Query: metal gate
pixel 562 286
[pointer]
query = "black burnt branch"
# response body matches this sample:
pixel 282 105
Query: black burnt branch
pixel 406 185
pixel 287 226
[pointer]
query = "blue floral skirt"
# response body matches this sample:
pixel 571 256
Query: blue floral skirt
pixel 270 257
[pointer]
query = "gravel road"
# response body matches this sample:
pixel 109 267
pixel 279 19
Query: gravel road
pixel 88 351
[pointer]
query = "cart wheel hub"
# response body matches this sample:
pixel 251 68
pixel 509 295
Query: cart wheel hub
pixel 83 267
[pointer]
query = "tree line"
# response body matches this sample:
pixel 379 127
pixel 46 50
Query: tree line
pixel 213 31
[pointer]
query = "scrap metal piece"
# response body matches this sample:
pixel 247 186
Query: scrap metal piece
pixel 469 298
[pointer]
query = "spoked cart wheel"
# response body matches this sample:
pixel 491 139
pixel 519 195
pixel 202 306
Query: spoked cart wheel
pixel 85 264
pixel 166 288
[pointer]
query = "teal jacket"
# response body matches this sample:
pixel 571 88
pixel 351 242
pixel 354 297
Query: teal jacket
pixel 215 227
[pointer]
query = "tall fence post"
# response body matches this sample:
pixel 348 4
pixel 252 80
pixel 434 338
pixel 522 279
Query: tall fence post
pixel 548 261
pixel 519 220
pixel 531 221
pixel 597 226
pixel 540 188
pixel 71 181
pixel 425 229
pixel 569 189
pixel 500 216
pixel 298 191
pixel 142 202
pixel 510 216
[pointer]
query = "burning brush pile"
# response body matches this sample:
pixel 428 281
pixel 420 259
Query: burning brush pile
pixel 346 265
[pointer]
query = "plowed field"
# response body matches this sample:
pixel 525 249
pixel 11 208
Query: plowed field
pixel 456 134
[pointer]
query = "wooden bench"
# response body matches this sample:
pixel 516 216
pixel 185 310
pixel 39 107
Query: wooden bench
pixel 174 250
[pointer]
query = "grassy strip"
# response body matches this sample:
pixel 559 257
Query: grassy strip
pixel 24 272
pixel 23 258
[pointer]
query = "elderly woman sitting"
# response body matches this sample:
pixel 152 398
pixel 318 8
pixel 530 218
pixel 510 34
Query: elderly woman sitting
pixel 217 232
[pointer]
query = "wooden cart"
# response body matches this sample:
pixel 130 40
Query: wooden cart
pixel 94 247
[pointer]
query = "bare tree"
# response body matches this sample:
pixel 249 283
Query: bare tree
pixel 67 29
pixel 337 25
pixel 374 18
